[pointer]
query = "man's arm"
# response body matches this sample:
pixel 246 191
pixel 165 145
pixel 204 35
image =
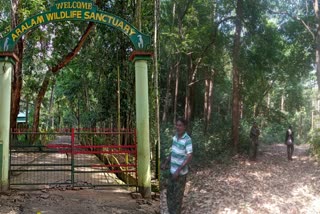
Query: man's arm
pixel 186 162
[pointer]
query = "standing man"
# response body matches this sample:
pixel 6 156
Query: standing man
pixel 181 155
pixel 289 142
pixel 254 136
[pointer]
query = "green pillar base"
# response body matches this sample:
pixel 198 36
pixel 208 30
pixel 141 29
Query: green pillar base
pixel 1 161
pixel 145 192
pixel 4 186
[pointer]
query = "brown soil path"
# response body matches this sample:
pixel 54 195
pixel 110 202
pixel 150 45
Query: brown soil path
pixel 85 201
pixel 272 184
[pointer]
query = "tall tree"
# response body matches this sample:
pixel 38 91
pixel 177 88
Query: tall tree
pixel 236 73
pixel 317 40
pixel 156 74
pixel 18 75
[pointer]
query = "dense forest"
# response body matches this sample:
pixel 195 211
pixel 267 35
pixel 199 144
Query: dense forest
pixel 226 64
pixel 221 65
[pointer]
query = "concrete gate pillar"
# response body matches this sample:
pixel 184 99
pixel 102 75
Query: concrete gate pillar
pixel 7 62
pixel 140 60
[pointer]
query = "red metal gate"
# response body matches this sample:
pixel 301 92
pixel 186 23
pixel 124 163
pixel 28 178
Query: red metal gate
pixel 79 157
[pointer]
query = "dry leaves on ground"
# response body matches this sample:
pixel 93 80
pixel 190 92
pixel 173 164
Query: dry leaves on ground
pixel 272 184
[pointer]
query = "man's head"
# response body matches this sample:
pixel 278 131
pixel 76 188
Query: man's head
pixel 181 125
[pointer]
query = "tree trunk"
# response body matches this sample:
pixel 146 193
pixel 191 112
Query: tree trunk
pixel 16 86
pixel 205 104
pixel 167 97
pixel 17 77
pixel 191 81
pixel 156 74
pixel 188 98
pixel 37 106
pixel 138 14
pixel 208 101
pixel 176 93
pixel 51 106
pixel 235 82
pixel 282 103
pixel 316 10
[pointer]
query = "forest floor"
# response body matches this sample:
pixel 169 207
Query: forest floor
pixel 272 184
pixel 67 201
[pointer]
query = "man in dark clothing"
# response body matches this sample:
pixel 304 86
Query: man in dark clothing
pixel 289 142
pixel 254 136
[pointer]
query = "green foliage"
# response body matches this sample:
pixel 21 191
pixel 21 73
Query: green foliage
pixel 5 18
pixel 277 54
pixel 276 60
pixel 314 141
pixel 211 147
pixel 89 83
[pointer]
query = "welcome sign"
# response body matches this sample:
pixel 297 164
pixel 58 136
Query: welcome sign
pixel 77 10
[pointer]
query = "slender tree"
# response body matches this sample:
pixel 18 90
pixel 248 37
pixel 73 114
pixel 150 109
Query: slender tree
pixel 235 74
pixel 18 74
pixel 156 75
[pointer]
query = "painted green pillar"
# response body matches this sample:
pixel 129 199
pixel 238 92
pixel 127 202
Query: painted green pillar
pixel 6 70
pixel 142 120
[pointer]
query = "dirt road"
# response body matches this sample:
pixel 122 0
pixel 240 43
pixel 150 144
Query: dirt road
pixel 86 201
pixel 270 185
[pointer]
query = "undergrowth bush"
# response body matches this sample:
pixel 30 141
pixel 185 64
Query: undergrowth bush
pixel 206 147
pixel 314 141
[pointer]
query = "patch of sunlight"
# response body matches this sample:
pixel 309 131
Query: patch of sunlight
pixel 257 194
pixel 229 211
pixel 203 191
pixel 260 175
pixel 248 163
pixel 271 207
pixel 204 172
pixel 232 179
pixel 303 158
pixel 315 204
pixel 312 207
pixel 302 190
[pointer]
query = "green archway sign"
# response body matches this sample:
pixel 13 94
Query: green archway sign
pixel 77 10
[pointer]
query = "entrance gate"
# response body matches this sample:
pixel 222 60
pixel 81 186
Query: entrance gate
pixel 74 157
pixel 87 11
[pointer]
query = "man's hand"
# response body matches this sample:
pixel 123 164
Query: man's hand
pixel 187 161
pixel 175 176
